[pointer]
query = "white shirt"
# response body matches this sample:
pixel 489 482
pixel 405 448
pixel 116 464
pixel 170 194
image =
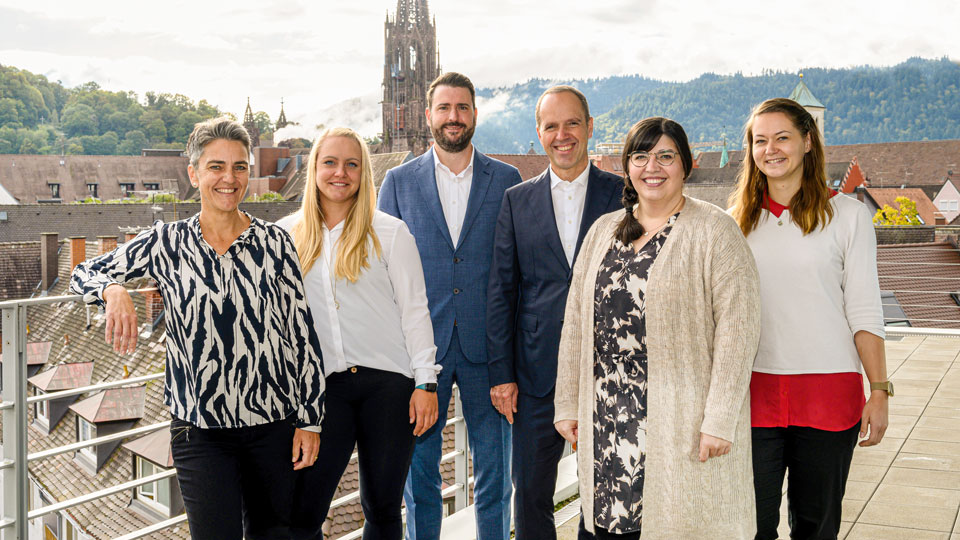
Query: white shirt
pixel 454 191
pixel 383 321
pixel 568 200
pixel 816 291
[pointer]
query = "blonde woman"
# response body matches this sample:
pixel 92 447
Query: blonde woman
pixel 821 321
pixel 364 284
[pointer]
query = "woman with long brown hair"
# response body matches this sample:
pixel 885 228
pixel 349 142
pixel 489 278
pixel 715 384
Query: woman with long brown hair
pixel 364 284
pixel 821 321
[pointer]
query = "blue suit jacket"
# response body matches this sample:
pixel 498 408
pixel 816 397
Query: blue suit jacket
pixel 530 277
pixel 456 278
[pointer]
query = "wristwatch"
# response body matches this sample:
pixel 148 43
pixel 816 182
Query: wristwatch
pixel 428 387
pixel 886 386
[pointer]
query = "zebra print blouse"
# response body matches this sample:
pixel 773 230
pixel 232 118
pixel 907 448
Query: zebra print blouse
pixel 241 347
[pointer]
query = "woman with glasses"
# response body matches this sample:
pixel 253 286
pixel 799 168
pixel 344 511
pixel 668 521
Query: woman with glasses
pixel 365 287
pixel 822 319
pixel 661 328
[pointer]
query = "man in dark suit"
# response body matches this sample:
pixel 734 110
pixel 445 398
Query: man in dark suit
pixel 539 230
pixel 449 198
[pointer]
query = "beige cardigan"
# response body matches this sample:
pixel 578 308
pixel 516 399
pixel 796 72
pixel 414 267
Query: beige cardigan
pixel 703 324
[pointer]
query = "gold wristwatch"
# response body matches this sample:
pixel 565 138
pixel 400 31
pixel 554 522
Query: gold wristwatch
pixel 886 386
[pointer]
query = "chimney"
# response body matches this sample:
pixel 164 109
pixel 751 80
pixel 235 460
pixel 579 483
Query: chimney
pixel 129 235
pixel 78 251
pixel 939 219
pixel 860 191
pixel 154 304
pixel 49 259
pixel 107 244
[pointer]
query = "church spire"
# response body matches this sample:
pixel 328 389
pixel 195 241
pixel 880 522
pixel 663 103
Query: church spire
pixel 251 126
pixel 282 119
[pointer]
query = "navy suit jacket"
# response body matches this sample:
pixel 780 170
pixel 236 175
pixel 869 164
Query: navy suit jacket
pixel 456 278
pixel 530 277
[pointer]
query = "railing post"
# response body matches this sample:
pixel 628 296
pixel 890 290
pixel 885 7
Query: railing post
pixel 461 470
pixel 14 447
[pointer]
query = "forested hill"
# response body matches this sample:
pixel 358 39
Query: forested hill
pixel 38 116
pixel 916 100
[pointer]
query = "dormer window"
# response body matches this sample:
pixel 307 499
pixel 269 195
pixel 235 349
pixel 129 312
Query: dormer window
pixel 85 432
pixel 151 186
pixel 151 455
pixel 155 495
pixel 54 190
pixel 127 188
pixel 92 190
pixel 41 411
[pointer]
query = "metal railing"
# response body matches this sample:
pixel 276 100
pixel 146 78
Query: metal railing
pixel 15 456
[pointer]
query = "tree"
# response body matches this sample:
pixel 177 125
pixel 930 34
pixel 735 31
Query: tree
pixel 79 119
pixel 263 123
pixel 133 142
pixel 904 214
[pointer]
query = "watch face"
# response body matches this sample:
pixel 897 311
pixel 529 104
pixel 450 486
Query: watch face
pixel 430 387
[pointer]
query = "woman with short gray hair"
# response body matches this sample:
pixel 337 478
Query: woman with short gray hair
pixel 243 375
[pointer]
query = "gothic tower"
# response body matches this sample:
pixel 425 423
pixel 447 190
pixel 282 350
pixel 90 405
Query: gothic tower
pixel 251 126
pixel 411 63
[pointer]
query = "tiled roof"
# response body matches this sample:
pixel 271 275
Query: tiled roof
pixel 112 404
pixel 888 196
pixel 38 352
pixel 65 376
pixel 154 447
pixel 529 165
pixel 26 177
pixel 922 277
pixel 19 267
pixel 608 162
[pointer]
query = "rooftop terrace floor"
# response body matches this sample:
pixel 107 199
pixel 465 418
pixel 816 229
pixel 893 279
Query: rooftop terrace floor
pixel 908 486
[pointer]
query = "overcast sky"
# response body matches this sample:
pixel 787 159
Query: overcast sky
pixel 316 53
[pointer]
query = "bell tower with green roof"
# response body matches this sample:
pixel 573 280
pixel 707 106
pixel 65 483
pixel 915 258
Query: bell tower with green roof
pixel 802 95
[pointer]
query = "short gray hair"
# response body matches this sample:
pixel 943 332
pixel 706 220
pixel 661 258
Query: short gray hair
pixel 210 130
pixel 559 89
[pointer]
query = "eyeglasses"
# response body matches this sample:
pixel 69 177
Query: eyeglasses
pixel 664 158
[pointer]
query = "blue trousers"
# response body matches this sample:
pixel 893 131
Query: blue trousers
pixel 489 436
pixel 537 448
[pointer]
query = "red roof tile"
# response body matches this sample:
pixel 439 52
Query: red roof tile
pixel 922 276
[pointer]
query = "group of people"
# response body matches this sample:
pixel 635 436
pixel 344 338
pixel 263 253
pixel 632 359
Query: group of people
pixel 703 352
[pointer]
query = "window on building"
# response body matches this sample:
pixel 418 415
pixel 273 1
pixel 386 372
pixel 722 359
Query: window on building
pixel 155 495
pixel 151 186
pixel 85 432
pixel 127 188
pixel 41 411
pixel 92 190
pixel 54 190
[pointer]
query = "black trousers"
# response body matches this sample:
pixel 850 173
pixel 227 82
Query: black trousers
pixel 367 408
pixel 236 482
pixel 602 534
pixel 819 462
pixel 537 448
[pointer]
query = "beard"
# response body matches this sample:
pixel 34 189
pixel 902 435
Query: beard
pixel 456 145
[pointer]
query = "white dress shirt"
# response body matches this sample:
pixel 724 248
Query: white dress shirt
pixel 454 190
pixel 568 198
pixel 382 321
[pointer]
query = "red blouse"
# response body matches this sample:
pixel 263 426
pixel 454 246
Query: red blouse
pixel 827 401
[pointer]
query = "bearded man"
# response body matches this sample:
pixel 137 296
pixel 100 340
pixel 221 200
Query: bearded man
pixel 449 198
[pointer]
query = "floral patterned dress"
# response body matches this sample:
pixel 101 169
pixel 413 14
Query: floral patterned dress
pixel 620 382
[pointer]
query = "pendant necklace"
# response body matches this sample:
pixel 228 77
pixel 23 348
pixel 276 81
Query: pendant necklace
pixel 327 258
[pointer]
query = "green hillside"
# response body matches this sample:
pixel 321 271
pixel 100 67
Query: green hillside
pixel 38 116
pixel 913 101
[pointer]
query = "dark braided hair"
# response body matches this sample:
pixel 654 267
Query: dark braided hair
pixel 642 137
